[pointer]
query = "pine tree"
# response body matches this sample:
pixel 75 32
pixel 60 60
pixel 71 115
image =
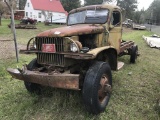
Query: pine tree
pixel 129 6
pixel 70 4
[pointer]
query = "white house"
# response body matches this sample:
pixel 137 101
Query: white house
pixel 45 10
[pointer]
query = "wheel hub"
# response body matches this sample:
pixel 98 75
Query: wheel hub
pixel 104 89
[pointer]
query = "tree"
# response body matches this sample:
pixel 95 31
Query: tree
pixel 11 5
pixel 70 4
pixel 153 12
pixel 129 6
pixel 95 2
pixel 139 16
pixel 22 4
pixel 3 9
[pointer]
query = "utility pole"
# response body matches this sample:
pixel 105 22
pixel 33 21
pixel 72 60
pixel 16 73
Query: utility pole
pixel 151 21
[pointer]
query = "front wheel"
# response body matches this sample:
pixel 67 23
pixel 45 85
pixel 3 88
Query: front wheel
pixel 97 87
pixel 33 87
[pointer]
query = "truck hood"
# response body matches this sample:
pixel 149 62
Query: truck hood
pixel 72 31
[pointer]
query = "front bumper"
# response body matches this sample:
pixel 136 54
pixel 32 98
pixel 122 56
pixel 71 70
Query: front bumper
pixel 57 80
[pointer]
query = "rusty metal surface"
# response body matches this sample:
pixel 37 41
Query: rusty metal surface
pixel 58 80
pixel 105 88
pixel 80 56
pixel 72 30
pixel 126 45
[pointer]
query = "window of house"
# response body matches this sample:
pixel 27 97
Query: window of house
pixel 116 18
pixel 28 4
pixel 39 15
pixel 30 14
pixel 26 14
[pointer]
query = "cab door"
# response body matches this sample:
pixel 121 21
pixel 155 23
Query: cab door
pixel 115 30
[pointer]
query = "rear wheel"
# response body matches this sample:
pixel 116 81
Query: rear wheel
pixel 134 54
pixel 97 87
pixel 32 87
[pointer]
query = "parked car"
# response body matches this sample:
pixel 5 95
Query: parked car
pixel 138 26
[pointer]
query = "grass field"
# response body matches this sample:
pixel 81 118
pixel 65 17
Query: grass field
pixel 135 95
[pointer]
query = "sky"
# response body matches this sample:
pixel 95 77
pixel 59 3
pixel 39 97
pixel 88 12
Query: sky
pixel 141 3
pixel 144 3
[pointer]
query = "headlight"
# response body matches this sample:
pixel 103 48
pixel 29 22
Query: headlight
pixel 33 46
pixel 74 47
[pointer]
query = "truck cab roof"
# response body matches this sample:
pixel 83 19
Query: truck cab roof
pixel 107 6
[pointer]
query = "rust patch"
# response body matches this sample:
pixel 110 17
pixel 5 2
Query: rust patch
pixel 72 30
pixel 65 81
pixel 126 45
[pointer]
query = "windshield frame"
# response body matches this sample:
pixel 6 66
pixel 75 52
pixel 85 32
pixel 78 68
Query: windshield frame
pixel 107 17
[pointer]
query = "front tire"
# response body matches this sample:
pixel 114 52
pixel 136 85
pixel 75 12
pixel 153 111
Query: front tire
pixel 33 87
pixel 97 87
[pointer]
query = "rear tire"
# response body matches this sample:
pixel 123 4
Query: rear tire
pixel 33 87
pixel 134 54
pixel 97 87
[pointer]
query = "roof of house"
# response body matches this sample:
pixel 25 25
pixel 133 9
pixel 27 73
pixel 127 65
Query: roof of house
pixel 48 5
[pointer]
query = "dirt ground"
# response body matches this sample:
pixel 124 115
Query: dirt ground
pixel 127 30
pixel 7 49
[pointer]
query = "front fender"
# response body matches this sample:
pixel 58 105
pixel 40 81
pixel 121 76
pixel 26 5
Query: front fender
pixel 96 51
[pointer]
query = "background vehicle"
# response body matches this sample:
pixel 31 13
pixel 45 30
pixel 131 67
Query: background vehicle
pixel 138 26
pixel 127 23
pixel 26 23
pixel 79 56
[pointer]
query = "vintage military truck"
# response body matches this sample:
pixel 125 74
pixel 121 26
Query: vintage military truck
pixel 79 56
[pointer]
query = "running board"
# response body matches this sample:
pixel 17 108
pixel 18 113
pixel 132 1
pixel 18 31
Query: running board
pixel 120 65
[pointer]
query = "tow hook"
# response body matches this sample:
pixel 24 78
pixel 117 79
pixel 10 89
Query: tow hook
pixel 22 71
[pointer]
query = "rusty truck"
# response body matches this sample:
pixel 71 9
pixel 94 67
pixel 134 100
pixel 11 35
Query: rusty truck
pixel 79 56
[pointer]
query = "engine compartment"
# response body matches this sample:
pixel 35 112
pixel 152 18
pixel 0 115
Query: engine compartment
pixel 88 40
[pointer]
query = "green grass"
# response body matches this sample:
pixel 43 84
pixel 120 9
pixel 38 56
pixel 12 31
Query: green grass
pixel 23 35
pixel 136 88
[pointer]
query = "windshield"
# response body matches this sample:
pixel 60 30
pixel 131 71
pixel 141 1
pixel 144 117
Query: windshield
pixel 88 16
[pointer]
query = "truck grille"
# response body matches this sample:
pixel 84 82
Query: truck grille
pixel 50 40
pixel 50 58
